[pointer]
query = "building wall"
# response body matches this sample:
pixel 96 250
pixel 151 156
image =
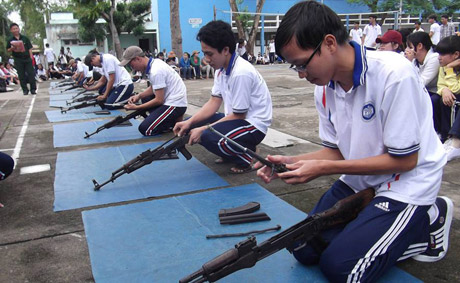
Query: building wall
pixel 203 9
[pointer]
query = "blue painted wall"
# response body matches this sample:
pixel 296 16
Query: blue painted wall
pixel 204 9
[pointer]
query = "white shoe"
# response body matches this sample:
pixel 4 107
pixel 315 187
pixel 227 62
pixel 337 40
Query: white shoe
pixel 452 153
pixel 439 232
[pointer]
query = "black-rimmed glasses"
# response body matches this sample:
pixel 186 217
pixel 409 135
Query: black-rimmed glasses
pixel 303 68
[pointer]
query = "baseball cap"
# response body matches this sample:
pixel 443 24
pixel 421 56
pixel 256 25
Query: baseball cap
pixel 131 53
pixel 390 36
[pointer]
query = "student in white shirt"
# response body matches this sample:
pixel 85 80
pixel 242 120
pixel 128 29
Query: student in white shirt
pixel 49 54
pixel 165 98
pixel 371 32
pixel 244 94
pixel 435 29
pixel 418 26
pixel 118 84
pixel 375 124
pixel 356 33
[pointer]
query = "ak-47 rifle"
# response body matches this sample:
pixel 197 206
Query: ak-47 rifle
pixel 74 86
pixel 167 150
pixel 84 104
pixel 276 168
pixel 79 93
pixel 247 253
pixel 117 121
pixel 81 99
pixel 65 83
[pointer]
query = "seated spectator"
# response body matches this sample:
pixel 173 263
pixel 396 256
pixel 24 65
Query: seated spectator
pixel 13 72
pixel 195 61
pixel 266 59
pixel 449 89
pixel 7 75
pixel 391 41
pixel 260 59
pixel 161 56
pixel 53 73
pixel 2 82
pixel 420 51
pixel 41 73
pixel 185 68
pixel 206 68
pixel 63 69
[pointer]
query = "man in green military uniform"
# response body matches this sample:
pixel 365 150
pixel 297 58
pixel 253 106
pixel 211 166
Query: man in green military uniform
pixel 21 49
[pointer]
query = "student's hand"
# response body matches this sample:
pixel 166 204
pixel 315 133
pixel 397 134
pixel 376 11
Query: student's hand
pixel 409 53
pixel 454 64
pixel 265 172
pixel 131 106
pixel 181 128
pixel 302 171
pixel 134 99
pixel 195 135
pixel 101 98
pixel 86 87
pixel 448 97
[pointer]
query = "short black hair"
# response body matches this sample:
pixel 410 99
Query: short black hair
pixel 356 23
pixel 432 16
pixel 217 34
pixel 448 45
pixel 47 45
pixel 418 23
pixel 13 24
pixel 420 37
pixel 89 57
pixel 445 16
pixel 308 22
pixel 373 16
pixel 160 54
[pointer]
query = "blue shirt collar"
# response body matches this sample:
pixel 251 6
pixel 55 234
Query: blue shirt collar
pixel 360 67
pixel 149 65
pixel 231 63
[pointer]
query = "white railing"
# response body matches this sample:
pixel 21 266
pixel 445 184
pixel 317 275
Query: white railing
pixel 392 19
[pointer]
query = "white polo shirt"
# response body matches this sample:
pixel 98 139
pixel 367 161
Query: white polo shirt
pixel 429 70
pixel 371 33
pixel 356 35
pixel 49 53
pixel 435 28
pixel 161 75
pixel 388 110
pixel 82 68
pixel 110 66
pixel 243 90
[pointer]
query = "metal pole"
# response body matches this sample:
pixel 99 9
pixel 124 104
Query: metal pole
pixel 262 36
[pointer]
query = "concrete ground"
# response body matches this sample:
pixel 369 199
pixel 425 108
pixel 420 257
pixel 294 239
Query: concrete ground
pixel 39 245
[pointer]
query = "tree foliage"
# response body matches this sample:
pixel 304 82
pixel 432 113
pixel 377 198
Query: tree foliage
pixel 121 16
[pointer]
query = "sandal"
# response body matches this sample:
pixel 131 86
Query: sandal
pixel 241 170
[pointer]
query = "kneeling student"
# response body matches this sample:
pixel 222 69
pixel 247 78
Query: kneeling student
pixel 165 98
pixel 119 86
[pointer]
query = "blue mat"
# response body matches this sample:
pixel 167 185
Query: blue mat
pixel 73 187
pixel 78 114
pixel 61 97
pixel 164 240
pixel 73 134
pixel 61 91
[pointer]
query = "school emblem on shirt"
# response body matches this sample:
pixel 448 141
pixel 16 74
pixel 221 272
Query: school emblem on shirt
pixel 368 111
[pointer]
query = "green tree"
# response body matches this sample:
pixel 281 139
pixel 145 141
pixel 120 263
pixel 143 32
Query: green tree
pixel 120 16
pixel 4 31
pixel 244 21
